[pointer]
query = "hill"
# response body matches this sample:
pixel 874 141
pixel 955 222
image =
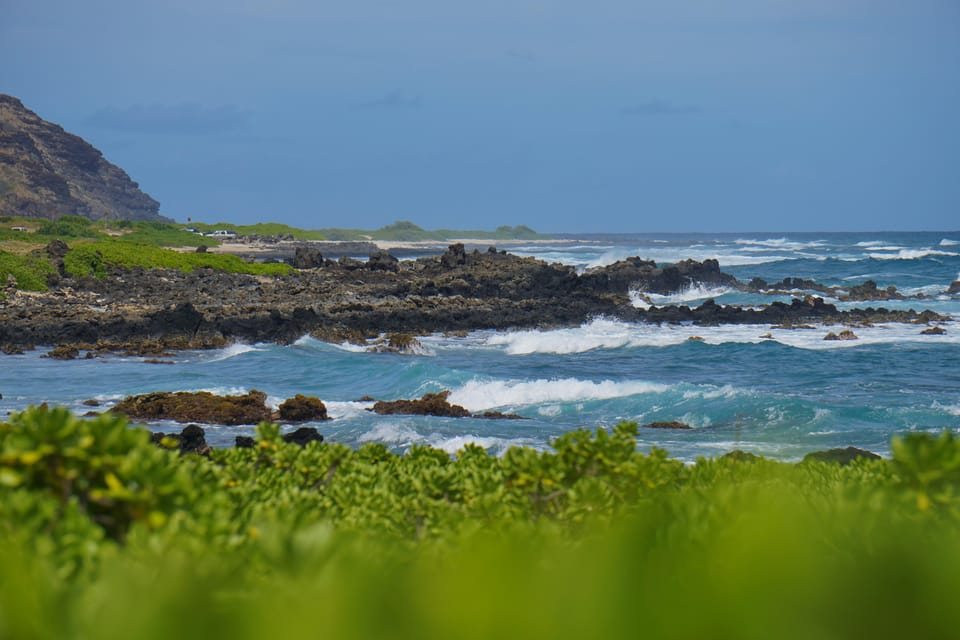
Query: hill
pixel 48 172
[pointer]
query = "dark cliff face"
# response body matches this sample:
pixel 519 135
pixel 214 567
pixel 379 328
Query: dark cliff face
pixel 46 172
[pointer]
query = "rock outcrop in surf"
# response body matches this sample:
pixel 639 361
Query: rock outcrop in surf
pixel 355 301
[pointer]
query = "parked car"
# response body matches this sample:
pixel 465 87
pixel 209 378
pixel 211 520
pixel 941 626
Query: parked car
pixel 222 233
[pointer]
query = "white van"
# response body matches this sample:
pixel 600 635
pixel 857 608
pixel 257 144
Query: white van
pixel 222 233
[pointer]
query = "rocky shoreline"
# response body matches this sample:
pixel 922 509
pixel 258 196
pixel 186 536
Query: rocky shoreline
pixel 150 312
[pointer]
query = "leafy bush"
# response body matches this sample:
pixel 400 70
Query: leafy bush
pixel 68 227
pixel 30 272
pixel 95 258
pixel 105 534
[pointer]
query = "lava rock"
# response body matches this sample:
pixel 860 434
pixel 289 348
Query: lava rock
pixel 201 406
pixel 302 408
pixel 383 261
pixel 64 352
pixel 307 258
pixel 455 256
pixel 431 404
pixel 846 334
pixel 673 424
pixel 303 436
pixel 933 331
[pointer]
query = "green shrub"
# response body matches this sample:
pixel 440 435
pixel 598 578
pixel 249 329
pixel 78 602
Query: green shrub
pixel 68 227
pixel 95 259
pixel 105 534
pixel 30 272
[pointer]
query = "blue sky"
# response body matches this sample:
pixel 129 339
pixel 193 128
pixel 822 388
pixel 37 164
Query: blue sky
pixel 610 115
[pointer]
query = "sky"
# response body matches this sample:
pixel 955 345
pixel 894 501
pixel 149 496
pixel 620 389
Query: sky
pixel 600 116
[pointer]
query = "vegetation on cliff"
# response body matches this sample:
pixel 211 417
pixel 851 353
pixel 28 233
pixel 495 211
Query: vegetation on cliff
pixel 105 533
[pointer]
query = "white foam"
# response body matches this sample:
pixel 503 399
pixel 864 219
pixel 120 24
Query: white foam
pixel 391 433
pixel 911 254
pixel 780 243
pixel 612 334
pixel 598 334
pixel 400 435
pixel 478 395
pixel 690 294
pixel 946 242
pixel 709 392
pixel 338 410
pixel 611 256
pixel 232 351
pixel 952 409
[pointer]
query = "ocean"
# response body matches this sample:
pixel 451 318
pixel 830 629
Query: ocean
pixel 780 397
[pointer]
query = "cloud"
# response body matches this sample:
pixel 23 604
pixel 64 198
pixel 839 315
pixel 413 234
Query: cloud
pixel 657 107
pixel 185 118
pixel 396 99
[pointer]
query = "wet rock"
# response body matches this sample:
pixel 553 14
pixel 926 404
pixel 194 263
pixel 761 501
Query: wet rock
pixel 201 406
pixel 455 256
pixel 307 258
pixel 954 288
pixel 840 456
pixel 302 408
pixel 695 339
pixel 383 261
pixel 91 403
pixel 869 291
pixel 339 335
pixel 673 424
pixel 431 404
pixel 192 439
pixel 303 436
pixel 64 352
pixel 496 415
pixel 244 442
pixel 397 343
pixel 767 336
pixel 933 331
pixel 846 334
pixel 11 349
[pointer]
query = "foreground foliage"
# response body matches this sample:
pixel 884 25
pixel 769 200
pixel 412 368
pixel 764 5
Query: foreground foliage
pixel 106 535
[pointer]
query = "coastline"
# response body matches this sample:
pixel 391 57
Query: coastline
pixel 353 300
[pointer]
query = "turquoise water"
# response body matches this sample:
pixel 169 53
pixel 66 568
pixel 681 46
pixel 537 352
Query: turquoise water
pixel 780 397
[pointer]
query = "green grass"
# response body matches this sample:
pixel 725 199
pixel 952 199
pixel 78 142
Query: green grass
pixel 107 536
pixel 261 228
pixel 97 257
pixel 162 234
pixel 30 272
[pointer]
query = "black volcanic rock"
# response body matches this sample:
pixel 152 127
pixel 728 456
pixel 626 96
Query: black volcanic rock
pixel 47 172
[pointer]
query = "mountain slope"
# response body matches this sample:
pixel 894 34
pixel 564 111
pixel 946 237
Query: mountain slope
pixel 47 172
